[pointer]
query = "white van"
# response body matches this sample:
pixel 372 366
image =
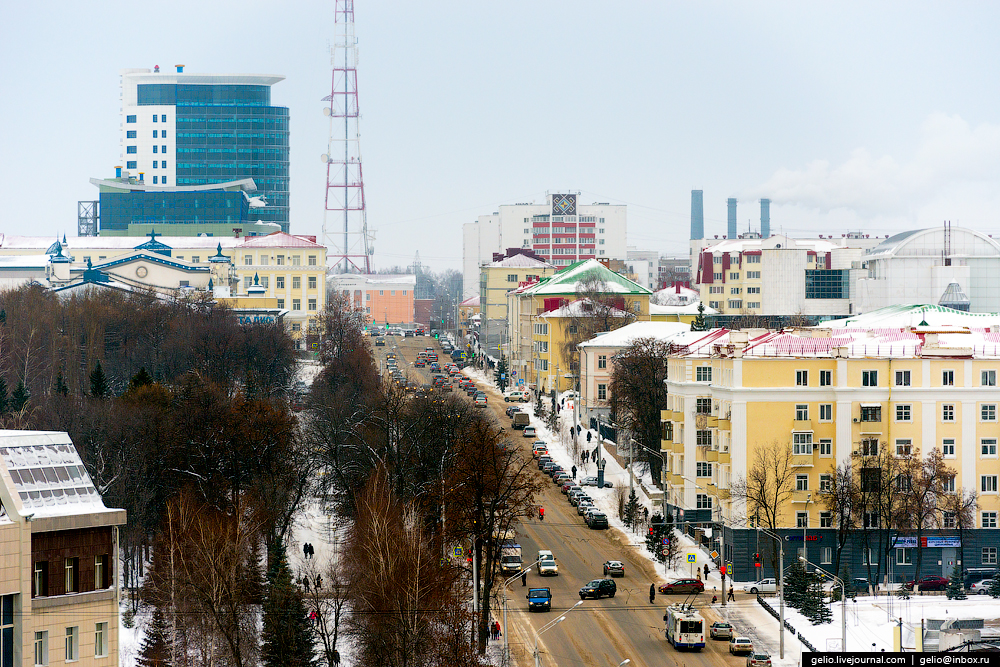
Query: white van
pixel 547 563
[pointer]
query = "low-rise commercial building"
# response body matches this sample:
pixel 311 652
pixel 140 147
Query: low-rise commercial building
pixel 387 299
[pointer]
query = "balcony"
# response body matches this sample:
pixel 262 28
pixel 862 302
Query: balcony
pixel 711 455
pixel 725 424
pixel 802 425
pixel 802 461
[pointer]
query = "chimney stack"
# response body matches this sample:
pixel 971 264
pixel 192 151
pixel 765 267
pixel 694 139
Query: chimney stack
pixel 731 203
pixel 697 215
pixel 765 218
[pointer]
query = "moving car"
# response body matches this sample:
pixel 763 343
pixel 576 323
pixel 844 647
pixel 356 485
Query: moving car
pixel 683 586
pixel 380 342
pixel 597 588
pixel 539 599
pixel 520 395
pixel 740 645
pixel 547 563
pixel 756 659
pixel 592 481
pixel 720 630
pixel 762 586
pixel 929 583
pixel 614 568
pixel 529 431
pixel 480 401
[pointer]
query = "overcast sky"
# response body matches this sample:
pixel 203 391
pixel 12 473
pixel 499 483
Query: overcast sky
pixel 865 116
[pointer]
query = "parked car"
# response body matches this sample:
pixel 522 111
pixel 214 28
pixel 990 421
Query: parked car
pixel 539 450
pixel 529 432
pixel 592 481
pixel 614 568
pixel 539 599
pixel 542 460
pixel 762 586
pixel 597 520
pixel 560 477
pixel 757 659
pixel 683 586
pixel 511 410
pixel 597 588
pixel 980 587
pixel 583 506
pixel 720 630
pixel 518 395
pixel 740 645
pixel 930 582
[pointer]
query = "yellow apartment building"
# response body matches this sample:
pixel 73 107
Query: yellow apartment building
pixel 495 281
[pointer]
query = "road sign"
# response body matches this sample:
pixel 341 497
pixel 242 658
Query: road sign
pixel 692 558
pixel 458 552
pixel 715 554
pixel 666 541
pixel 666 552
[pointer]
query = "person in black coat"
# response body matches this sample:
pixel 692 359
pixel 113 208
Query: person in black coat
pixel 652 593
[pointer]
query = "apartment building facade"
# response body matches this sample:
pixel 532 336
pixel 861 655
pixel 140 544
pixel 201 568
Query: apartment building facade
pixel 496 279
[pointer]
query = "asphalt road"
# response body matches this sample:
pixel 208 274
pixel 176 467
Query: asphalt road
pixel 598 633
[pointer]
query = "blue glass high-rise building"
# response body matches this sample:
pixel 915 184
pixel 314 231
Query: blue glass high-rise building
pixel 183 129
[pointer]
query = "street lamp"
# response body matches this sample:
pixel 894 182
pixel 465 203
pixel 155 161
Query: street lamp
pixel 781 588
pixel 548 626
pixel 722 537
pixel 843 602
pixel 523 570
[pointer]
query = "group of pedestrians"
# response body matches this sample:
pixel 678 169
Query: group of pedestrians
pixel 495 633
pixel 307 583
pixel 308 551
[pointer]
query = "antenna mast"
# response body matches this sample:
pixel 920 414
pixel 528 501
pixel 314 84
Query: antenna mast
pixel 345 223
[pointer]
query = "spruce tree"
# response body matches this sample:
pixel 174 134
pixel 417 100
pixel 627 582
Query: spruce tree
pixel 994 588
pixel 630 514
pixel 698 323
pixel 4 399
pixel 20 397
pixel 501 376
pixel 140 379
pixel 287 637
pixel 155 651
pixel 956 587
pixel 796 585
pixel 62 389
pixel 98 382
pixel 814 605
pixel 654 537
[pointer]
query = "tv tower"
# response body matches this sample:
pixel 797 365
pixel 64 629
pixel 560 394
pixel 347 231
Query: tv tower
pixel 345 224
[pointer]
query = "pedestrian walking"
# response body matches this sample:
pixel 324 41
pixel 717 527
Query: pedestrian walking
pixel 588 436
pixel 706 571
pixel 652 593
pixel 524 578
pixel 573 470
pixel 319 582
pixel 730 595
pixel 336 657
pixel 499 633
pixel 645 514
pixel 306 585
pixel 578 429
pixel 305 550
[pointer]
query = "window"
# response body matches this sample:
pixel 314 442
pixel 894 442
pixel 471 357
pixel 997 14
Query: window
pixel 948 519
pixel 247 282
pixel 988 412
pixel 989 379
pixel 296 304
pixel 163 179
pixel 825 483
pixel 802 378
pixel 752 290
pixel 296 326
pixel 801 519
pixel 163 149
pixel 404 292
pixel 948 484
pixel 703 374
pixel 311 260
pixel 703 502
pixel 100 640
pixel 129 119
pixel 754 275
pixel 802 483
pixel 753 304
pixel 988 483
pixel 602 361
pixel 869 378
pixel 704 469
pixel 802 412
pixel 989 556
pixel 870 479
pixel 902 378
pixel 802 444
pixel 512 277
pixel 279 282
pixel 826 553
pixel 41 587
pixel 312 304
pixel 826 447
pixel 602 392
pixel 947 413
pixel 716 289
pixel 163 118
pixel 130 134
pixel 263 282
pixel 72 643
pixel 904 483
pixel 72 571
pixel 312 282
pixel 735 303
pixel 752 259
pixel 868 556
pixel 154 149
pixel 904 447
pixel 988 520
pixel 826 412
pixel 155 117
pixel 903 413
pixel 948 448
pixel 703 437
pixel 826 378
pixel 163 133
pixel 870 520
pixel 155 179
pixel 904 556
pixel 41 648
pixel 101 572
pixel 871 413
pixel 947 378
pixel 154 134
pixel 131 164
pixel 130 150
pixel 296 260
pixel 703 406
pixel 281 304
pixel 297 282
pixel 988 447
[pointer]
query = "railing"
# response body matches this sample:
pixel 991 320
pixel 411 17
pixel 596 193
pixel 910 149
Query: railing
pixel 788 626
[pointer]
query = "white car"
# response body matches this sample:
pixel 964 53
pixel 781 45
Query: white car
pixel 547 563
pixel 762 586
pixel 980 587
pixel 592 481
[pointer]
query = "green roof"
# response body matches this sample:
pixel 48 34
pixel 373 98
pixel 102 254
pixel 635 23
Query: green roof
pixel 566 280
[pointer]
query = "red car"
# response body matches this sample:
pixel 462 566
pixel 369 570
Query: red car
pixel 928 583
pixel 683 586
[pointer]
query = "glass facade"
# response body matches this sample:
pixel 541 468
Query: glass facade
pixel 828 284
pixel 118 209
pixel 225 133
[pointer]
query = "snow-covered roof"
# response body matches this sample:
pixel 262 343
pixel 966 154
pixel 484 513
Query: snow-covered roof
pixel 48 475
pixel 568 280
pixel 471 302
pixel 675 295
pixel 772 242
pixel 15 262
pixel 520 261
pixel 930 242
pixel 688 309
pixel 902 316
pixel 581 308
pixel 625 336
pixel 402 279
pixel 280 240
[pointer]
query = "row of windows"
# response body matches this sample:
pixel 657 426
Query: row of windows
pixel 279 281
pixel 161 118
pixel 133 149
pixel 71 570
pixel 72 644
pixel 297 306
pixel 869 378
pixel 296 260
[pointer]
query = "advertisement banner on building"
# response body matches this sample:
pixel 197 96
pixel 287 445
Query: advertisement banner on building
pixel 950 542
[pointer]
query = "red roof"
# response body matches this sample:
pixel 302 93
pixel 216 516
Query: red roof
pixel 280 240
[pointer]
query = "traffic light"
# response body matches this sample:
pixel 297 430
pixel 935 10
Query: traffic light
pixel 756 560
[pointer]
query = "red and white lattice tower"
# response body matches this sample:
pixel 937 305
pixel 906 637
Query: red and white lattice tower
pixel 345 224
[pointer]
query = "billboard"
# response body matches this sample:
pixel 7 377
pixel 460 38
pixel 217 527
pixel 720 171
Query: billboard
pixel 563 204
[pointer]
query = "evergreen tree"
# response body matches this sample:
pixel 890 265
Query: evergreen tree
pixel 287 637
pixel 994 589
pixel 654 537
pixel 155 651
pixel 4 399
pixel 20 397
pixel 814 605
pixel 62 389
pixel 98 382
pixel 796 585
pixel 956 587
pixel 539 406
pixel 501 375
pixel 630 513
pixel 140 379
pixel 698 323
pixel 848 579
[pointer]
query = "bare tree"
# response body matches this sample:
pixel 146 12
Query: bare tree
pixel 840 501
pixel 881 502
pixel 959 511
pixel 921 483
pixel 601 308
pixel 768 487
pixel 639 392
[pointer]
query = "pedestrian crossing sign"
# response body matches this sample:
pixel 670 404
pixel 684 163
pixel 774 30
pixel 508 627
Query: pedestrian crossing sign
pixel 692 558
pixel 458 552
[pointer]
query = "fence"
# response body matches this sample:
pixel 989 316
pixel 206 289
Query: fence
pixel 788 626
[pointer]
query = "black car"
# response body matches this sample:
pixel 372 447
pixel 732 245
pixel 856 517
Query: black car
pixel 597 520
pixel 598 587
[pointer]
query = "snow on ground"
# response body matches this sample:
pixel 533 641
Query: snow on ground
pixel 130 639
